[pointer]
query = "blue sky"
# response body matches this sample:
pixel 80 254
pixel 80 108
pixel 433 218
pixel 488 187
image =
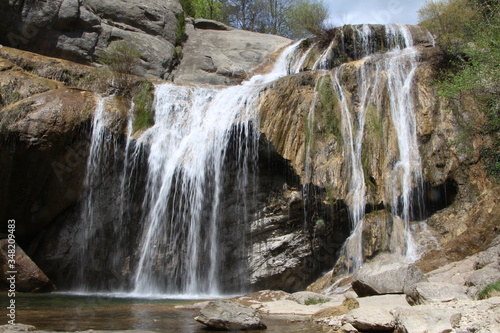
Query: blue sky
pixel 374 11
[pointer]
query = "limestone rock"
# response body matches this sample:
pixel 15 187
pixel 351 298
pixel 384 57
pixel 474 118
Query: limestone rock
pixel 29 278
pixel 387 275
pixel 228 315
pixel 303 297
pixel 430 292
pixel 421 319
pixel 370 319
pixel 216 54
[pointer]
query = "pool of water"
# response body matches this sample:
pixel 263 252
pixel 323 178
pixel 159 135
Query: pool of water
pixel 66 312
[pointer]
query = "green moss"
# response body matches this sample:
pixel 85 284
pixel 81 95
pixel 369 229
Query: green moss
pixel 9 93
pixel 490 290
pixel 314 301
pixel 143 107
pixel 15 114
pixel 327 110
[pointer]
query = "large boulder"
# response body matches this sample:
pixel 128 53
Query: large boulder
pixel 28 277
pixel 388 274
pixel 430 292
pixel 228 315
pixel 220 55
pixel 77 29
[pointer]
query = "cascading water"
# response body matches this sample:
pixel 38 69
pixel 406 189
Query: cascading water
pixel 188 145
pixel 399 65
pixel 202 134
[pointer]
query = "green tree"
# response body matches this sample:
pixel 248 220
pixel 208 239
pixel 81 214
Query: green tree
pixel 209 9
pixel 307 18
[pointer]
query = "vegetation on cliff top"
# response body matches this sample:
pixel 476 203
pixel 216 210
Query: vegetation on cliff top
pixel 289 18
pixel 469 32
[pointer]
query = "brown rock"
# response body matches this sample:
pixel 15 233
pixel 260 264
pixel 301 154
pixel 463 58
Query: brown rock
pixel 28 277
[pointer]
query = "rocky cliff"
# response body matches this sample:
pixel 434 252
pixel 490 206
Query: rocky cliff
pixel 321 132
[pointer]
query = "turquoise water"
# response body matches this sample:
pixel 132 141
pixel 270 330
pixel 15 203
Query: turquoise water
pixel 64 312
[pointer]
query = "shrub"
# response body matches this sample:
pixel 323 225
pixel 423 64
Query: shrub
pixel 121 57
pixel 490 290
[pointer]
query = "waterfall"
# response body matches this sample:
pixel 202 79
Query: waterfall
pixel 99 146
pixel 399 65
pixel 179 251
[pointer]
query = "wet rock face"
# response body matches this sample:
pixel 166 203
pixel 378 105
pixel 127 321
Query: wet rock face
pixel 75 29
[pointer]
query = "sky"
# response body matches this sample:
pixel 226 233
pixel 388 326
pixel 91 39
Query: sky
pixel 373 11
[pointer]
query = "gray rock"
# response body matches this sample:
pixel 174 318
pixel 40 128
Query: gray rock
pixel 386 275
pixel 228 315
pixel 484 276
pixel 302 297
pixel 348 328
pixel 215 54
pixel 430 292
pixel 421 319
pixel 371 319
pixel 76 30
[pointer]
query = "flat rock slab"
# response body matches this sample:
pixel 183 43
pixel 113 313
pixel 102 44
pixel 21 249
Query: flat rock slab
pixel 431 292
pixel 229 315
pixel 370 319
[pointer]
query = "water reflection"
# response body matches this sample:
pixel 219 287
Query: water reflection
pixel 60 312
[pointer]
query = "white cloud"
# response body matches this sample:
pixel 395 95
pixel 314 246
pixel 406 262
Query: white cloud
pixel 374 11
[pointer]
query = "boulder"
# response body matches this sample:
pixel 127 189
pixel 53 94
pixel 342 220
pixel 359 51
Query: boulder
pixel 307 297
pixel 386 275
pixel 228 315
pixel 28 277
pixel 370 319
pixel 430 292
pixel 219 55
pixel 421 319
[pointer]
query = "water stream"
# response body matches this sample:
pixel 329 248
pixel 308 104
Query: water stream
pixel 178 237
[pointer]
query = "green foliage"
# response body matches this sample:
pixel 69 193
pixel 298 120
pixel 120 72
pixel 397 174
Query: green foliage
pixel 120 57
pixel 143 107
pixel 209 9
pixel 314 301
pixel 307 18
pixel 469 31
pixel 180 30
pixel 188 7
pixel 327 108
pixel 489 291
pixel 447 19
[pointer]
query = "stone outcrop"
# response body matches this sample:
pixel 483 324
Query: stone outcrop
pixel 228 316
pixel 78 29
pixel 387 275
pixel 432 292
pixel 220 55
pixel 28 277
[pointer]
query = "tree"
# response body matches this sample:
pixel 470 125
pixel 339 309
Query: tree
pixel 447 19
pixel 289 18
pixel 307 17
